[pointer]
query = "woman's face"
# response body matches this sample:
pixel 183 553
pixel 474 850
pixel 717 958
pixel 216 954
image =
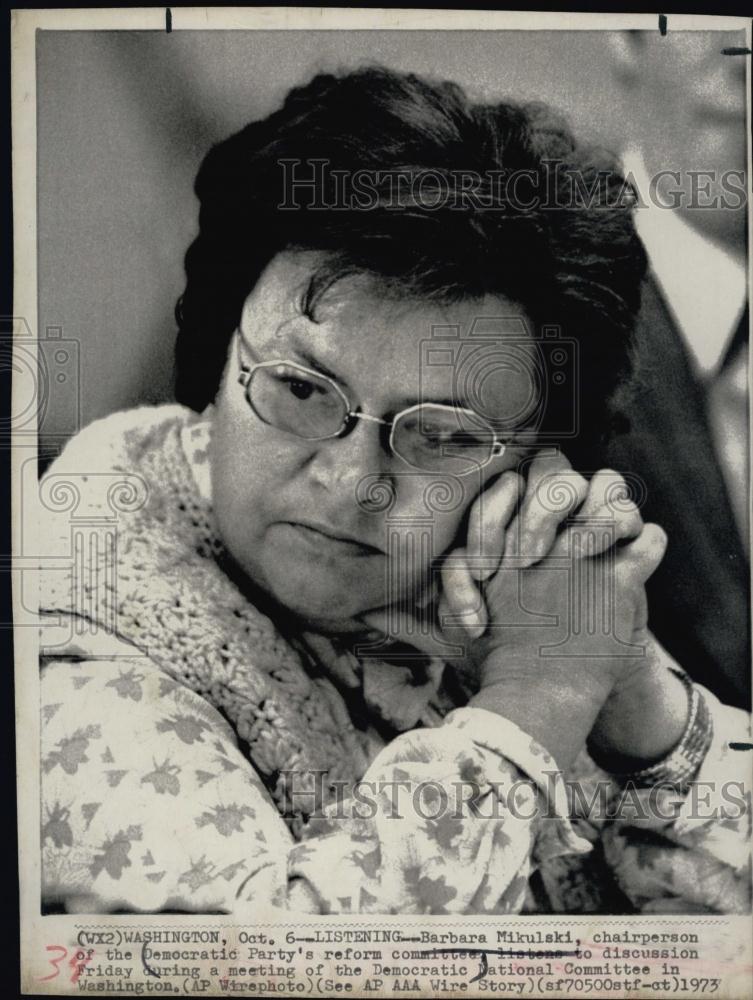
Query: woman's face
pixel 301 518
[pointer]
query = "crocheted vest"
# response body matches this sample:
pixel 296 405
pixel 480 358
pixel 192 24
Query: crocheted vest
pixel 145 563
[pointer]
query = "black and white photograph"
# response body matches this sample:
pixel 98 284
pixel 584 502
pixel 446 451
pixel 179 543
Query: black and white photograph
pixel 380 437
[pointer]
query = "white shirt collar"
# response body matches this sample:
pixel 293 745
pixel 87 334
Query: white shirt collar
pixel 704 286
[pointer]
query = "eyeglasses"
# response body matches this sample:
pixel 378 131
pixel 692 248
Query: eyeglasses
pixel 432 437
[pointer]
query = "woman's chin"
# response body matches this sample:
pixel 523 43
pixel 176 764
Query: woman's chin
pixel 321 600
pixel 321 607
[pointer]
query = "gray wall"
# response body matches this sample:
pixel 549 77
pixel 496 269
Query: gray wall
pixel 125 118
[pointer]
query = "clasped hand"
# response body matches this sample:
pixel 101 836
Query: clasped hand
pixel 546 600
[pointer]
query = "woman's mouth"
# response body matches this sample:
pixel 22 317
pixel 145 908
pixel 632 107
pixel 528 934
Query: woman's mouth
pixel 325 539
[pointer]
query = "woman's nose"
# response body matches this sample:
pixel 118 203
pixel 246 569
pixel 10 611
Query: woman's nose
pixel 346 460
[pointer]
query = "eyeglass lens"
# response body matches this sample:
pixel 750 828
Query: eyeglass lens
pixel 294 401
pixel 437 438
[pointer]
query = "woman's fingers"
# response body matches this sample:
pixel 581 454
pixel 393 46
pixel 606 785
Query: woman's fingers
pixel 553 491
pixel 607 516
pixel 490 515
pixel 462 604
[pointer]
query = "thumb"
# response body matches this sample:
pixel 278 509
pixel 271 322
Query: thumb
pixel 641 557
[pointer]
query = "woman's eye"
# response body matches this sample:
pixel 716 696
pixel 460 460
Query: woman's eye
pixel 449 438
pixel 300 388
pixel 431 440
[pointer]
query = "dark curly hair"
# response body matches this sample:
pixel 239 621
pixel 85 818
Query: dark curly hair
pixel 572 259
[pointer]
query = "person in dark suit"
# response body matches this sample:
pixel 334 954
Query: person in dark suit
pixel 685 436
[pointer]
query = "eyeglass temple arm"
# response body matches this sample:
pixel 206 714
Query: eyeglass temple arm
pixel 245 371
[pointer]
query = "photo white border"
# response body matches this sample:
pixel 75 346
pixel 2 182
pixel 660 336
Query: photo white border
pixel 35 928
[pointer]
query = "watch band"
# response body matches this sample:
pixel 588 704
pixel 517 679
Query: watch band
pixel 682 763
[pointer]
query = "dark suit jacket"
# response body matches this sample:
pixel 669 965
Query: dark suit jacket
pixel 699 599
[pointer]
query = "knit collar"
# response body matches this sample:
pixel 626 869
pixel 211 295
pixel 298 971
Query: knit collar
pixel 399 695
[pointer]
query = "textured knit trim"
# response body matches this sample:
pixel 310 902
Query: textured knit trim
pixel 168 595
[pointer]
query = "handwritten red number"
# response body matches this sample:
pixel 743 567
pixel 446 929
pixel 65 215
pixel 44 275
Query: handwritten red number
pixel 54 961
pixel 77 963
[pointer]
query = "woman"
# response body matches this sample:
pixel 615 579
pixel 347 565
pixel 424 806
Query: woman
pixel 349 672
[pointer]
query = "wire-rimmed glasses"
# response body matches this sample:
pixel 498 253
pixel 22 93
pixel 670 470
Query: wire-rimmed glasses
pixel 432 437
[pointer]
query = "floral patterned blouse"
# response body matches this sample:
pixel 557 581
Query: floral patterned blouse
pixel 151 802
